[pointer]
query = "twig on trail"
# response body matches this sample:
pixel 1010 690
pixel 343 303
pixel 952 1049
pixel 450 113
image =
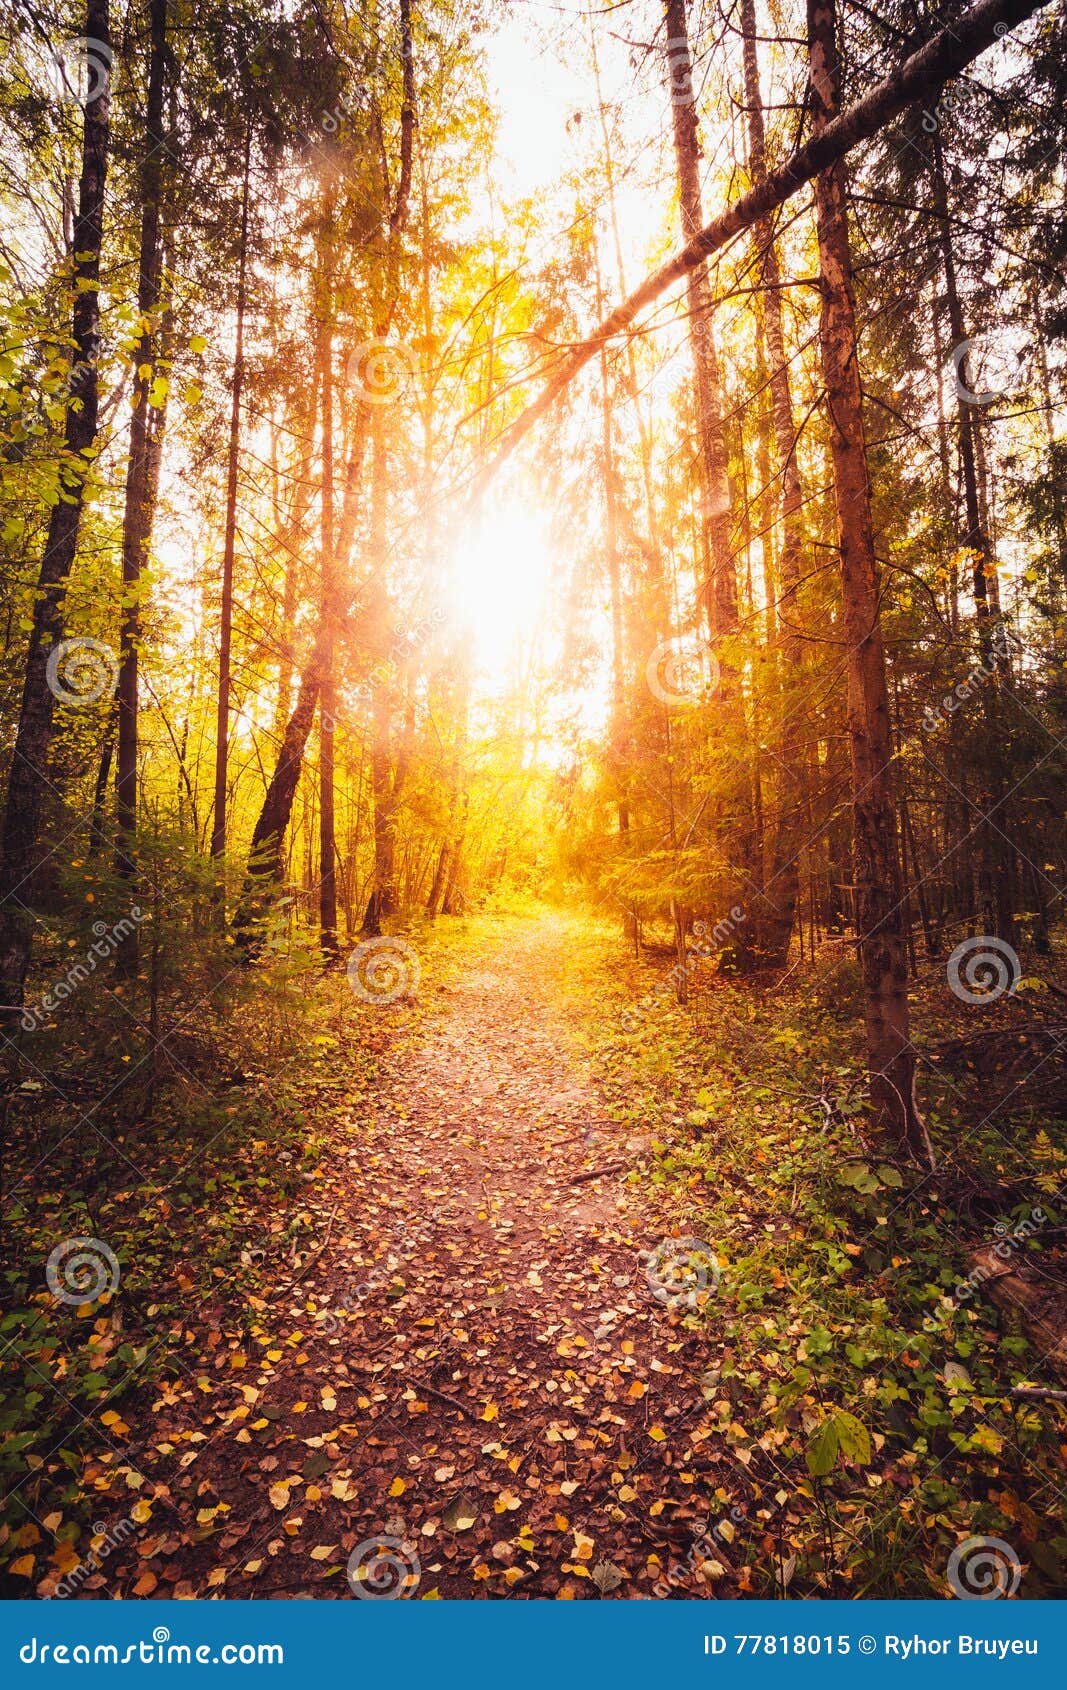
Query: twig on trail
pixel 310 1263
pixel 442 1396
pixel 1038 1393
pixel 597 1173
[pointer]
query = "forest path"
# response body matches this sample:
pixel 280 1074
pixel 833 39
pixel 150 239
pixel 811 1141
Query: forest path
pixel 486 1379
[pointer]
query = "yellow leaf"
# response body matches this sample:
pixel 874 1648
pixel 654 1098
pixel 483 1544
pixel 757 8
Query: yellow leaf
pixel 657 1434
pixel 398 1487
pixel 141 1511
pixel 323 1551
pixel 513 1575
pixel 489 1412
pixel 23 1567
pixel 279 1495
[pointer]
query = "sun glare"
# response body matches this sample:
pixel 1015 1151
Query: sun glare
pixel 501 572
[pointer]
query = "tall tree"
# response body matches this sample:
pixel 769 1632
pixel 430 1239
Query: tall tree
pixel 720 591
pixel 880 924
pixel 229 545
pixel 146 439
pixel 29 763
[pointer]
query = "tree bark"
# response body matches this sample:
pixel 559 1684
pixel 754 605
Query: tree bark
pixel 773 924
pixel 146 435
pixel 327 700
pixel 29 762
pixel 876 872
pixel 720 581
pixel 229 545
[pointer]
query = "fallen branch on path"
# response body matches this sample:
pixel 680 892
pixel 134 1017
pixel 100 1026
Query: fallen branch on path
pixel 597 1173
pixel 442 1396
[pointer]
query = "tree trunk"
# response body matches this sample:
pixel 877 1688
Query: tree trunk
pixel 146 434
pixel 327 700
pixel 773 925
pixel 229 548
pixel 879 918
pixel 29 762
pixel 720 586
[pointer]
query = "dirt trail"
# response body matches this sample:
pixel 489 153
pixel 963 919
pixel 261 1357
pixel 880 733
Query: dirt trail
pixel 493 1387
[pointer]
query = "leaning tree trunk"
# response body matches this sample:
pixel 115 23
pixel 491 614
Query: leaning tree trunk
pixel 146 432
pixel 29 762
pixel 876 872
pixel 944 55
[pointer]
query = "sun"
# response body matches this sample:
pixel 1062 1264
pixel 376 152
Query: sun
pixel 501 576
